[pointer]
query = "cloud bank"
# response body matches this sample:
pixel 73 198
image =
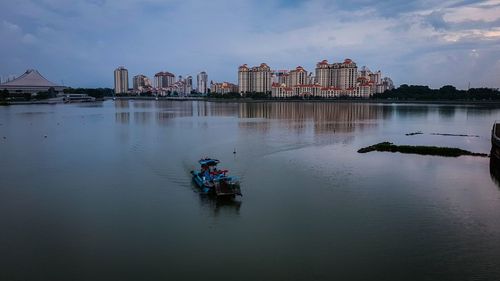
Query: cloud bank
pixel 415 42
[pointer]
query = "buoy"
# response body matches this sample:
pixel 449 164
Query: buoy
pixel 234 151
pixel 45 136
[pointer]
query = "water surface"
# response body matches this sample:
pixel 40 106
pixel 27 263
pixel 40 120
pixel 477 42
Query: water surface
pixel 102 192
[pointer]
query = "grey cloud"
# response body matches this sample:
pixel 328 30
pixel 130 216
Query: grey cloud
pixel 81 43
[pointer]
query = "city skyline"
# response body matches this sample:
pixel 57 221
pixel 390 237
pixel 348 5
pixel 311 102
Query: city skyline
pixel 455 42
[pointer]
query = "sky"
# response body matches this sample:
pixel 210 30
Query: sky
pixel 80 43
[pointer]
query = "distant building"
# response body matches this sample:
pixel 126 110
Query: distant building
pixel 30 82
pixel 331 81
pixel 188 85
pixel 280 77
pixel 340 75
pixel 223 88
pixel 256 79
pixel 181 87
pixel 163 79
pixel 201 82
pixel 121 80
pixel 141 84
pixel 298 76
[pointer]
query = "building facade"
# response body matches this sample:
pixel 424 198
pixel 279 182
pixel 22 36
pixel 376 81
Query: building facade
pixel 223 88
pixel 298 76
pixel 121 80
pixel 163 79
pixel 340 75
pixel 202 83
pixel 141 84
pixel 257 79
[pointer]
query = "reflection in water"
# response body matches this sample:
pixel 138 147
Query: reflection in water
pixel 220 206
pixel 495 166
pixel 122 117
pixel 327 117
pixel 411 111
pixel 122 104
pixel 142 117
pixel 446 112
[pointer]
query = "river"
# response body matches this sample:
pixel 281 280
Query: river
pixel 103 192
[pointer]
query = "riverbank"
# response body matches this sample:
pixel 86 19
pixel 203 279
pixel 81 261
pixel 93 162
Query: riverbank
pixel 249 100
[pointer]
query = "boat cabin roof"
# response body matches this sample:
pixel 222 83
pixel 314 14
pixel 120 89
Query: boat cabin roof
pixel 209 162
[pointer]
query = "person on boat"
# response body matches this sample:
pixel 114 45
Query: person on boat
pixel 206 175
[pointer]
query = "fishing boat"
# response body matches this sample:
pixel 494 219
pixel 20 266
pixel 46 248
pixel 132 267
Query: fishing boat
pixel 211 180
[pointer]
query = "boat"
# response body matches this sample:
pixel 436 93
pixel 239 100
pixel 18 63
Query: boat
pixel 72 98
pixel 495 139
pixel 495 168
pixel 211 180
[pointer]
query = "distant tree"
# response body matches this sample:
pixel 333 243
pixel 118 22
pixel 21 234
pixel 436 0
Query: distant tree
pixel 4 94
pixel 42 95
pixel 448 92
pixel 52 92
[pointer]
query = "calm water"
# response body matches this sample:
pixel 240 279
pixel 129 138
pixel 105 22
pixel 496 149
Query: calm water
pixel 107 194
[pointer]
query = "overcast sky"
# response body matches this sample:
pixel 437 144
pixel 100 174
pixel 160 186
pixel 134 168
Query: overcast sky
pixel 415 42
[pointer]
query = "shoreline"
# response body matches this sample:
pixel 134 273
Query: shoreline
pixel 249 100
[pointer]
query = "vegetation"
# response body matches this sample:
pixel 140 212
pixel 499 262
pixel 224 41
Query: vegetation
pixel 422 150
pixel 225 96
pixel 4 94
pixel 415 92
pixel 97 93
pixel 51 93
pixel 258 96
pixel 414 133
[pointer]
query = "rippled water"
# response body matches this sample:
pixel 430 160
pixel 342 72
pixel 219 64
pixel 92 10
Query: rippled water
pixel 103 192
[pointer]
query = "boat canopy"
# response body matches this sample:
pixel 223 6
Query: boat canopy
pixel 209 162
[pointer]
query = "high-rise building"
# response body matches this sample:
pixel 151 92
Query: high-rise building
pixel 298 76
pixel 141 83
pixel 256 79
pixel 201 82
pixel 339 75
pixel 163 79
pixel 223 88
pixel 121 80
pixel 188 85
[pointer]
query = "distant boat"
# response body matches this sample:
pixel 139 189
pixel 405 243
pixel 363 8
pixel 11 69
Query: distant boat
pixel 71 98
pixel 495 139
pixel 213 181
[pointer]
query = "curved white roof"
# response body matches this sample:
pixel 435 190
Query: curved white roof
pixel 31 78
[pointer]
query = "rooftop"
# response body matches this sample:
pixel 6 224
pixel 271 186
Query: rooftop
pixel 31 78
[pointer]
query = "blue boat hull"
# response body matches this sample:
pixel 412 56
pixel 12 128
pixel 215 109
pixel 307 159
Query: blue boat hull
pixel 215 189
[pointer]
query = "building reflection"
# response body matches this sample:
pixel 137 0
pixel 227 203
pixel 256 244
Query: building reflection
pixel 142 117
pixel 122 117
pixel 326 117
pixel 122 103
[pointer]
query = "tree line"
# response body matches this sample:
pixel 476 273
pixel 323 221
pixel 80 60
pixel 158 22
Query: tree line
pixel 448 92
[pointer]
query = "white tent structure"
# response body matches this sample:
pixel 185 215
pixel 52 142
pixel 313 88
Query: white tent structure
pixel 30 82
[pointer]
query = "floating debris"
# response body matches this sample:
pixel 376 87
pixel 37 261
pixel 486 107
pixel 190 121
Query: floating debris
pixel 422 150
pixel 454 135
pixel 414 133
